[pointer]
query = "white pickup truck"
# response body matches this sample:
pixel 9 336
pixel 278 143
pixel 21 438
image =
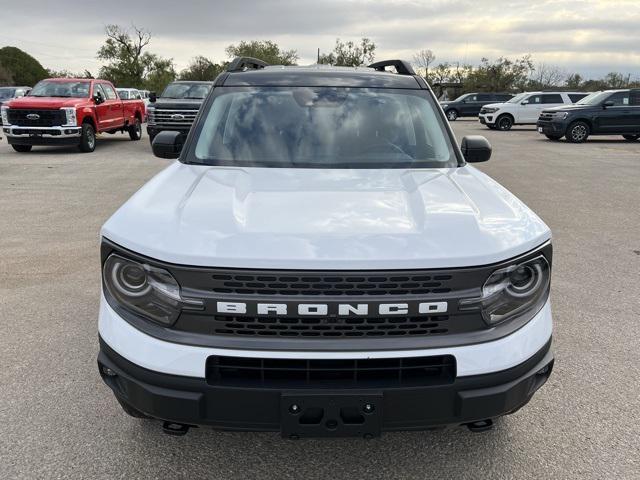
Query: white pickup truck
pixel 323 260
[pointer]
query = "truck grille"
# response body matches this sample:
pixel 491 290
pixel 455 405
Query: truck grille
pixel 45 118
pixel 172 117
pixel 331 327
pixel 331 284
pixel 546 117
pixel 296 373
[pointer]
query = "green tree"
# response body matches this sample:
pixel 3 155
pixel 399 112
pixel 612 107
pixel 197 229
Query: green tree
pixel 128 64
pixel 68 74
pixel 5 76
pixel 350 54
pixel 21 67
pixel 201 68
pixel 573 81
pixel 265 50
pixel 500 75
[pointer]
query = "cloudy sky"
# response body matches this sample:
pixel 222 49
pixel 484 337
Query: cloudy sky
pixel 588 36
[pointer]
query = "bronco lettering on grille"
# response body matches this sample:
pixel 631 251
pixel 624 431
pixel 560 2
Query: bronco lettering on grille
pixel 331 309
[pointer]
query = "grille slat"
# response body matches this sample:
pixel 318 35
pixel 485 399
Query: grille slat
pixel 418 284
pixel 301 373
pixel 173 117
pixel 330 327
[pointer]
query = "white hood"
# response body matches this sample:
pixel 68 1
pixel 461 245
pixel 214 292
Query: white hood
pixel 325 219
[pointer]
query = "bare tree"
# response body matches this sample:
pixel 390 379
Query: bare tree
pixel 547 76
pixel 423 59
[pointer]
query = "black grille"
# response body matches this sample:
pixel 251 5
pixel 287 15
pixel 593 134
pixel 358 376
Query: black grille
pixel 330 327
pixel 330 284
pixel 47 118
pixel 296 373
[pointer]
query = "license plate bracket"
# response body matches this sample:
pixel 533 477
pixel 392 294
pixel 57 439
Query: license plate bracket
pixel 539 129
pixel 331 415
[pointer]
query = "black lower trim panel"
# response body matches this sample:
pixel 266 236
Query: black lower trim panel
pixel 43 141
pixel 194 401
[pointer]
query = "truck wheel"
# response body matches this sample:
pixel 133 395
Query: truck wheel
pixel 22 148
pixel 578 132
pixel 452 115
pixel 504 122
pixel 135 130
pixel 631 138
pixel 553 137
pixel 129 410
pixel 87 138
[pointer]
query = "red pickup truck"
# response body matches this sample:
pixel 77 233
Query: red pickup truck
pixel 70 111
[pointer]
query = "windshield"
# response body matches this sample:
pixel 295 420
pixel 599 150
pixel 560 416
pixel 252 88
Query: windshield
pixel 594 98
pixel 123 94
pixel 72 89
pixel 186 90
pixel 517 98
pixel 6 93
pixel 323 128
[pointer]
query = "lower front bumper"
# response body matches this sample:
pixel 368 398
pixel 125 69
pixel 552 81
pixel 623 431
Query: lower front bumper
pixel 42 135
pixel 550 128
pixel 198 401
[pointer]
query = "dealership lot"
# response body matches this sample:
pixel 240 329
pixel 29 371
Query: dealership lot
pixel 60 420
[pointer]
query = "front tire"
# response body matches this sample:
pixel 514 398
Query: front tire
pixel 578 132
pixel 504 122
pixel 452 115
pixel 22 148
pixel 135 130
pixel 631 138
pixel 87 138
pixel 555 138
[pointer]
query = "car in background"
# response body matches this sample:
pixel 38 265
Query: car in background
pixel 145 96
pixel 524 108
pixel 611 112
pixel 70 111
pixel 177 107
pixel 9 93
pixel 129 93
pixel 469 104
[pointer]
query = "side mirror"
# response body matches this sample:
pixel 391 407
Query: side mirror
pixel 475 148
pixel 608 103
pixel 97 97
pixel 152 97
pixel 168 144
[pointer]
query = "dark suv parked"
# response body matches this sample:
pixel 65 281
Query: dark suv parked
pixel 612 112
pixel 469 104
pixel 177 107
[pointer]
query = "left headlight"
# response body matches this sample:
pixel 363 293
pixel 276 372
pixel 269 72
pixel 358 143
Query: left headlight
pixel 560 115
pixel 70 113
pixel 146 290
pixel 513 291
pixel 5 116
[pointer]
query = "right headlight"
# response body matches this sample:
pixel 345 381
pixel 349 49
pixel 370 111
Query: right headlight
pixel 5 116
pixel 149 291
pixel 513 291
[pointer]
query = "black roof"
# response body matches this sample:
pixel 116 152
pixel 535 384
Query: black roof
pixel 320 76
pixel 203 82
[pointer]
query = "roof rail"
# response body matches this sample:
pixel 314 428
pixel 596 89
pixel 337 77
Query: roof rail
pixel 402 66
pixel 240 64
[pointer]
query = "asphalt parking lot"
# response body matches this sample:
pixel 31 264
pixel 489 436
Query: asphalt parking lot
pixel 60 421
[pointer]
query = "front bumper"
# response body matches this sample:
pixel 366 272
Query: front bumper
pixel 197 401
pixel 487 118
pixel 551 128
pixel 17 135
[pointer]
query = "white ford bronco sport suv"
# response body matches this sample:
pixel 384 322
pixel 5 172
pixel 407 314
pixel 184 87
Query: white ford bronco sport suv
pixel 322 260
pixel 524 108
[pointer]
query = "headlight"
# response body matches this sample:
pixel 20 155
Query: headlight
pixel 146 290
pixel 5 116
pixel 70 112
pixel 560 115
pixel 489 110
pixel 513 291
pixel 151 111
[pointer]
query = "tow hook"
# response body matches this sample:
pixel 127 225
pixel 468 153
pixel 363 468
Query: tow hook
pixel 177 429
pixel 480 425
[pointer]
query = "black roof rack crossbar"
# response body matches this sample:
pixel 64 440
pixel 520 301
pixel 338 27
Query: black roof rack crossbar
pixel 240 64
pixel 402 66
